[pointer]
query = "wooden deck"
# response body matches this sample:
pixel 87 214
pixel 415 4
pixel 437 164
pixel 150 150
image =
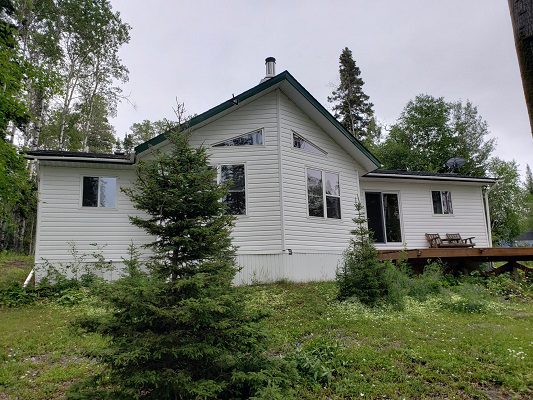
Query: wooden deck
pixel 481 254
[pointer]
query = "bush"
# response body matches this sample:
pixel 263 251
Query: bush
pixel 466 298
pixel 320 361
pixel 505 286
pixel 428 283
pixel 14 295
pixel 362 275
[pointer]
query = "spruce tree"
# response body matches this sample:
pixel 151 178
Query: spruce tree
pixel 179 330
pixel 361 274
pixel 351 105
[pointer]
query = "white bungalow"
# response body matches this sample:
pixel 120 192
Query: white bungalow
pixel 297 173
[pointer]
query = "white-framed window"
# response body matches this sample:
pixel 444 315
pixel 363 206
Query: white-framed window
pixel 383 216
pixel 323 194
pixel 236 197
pixel 99 191
pixel 442 202
pixel 254 138
pixel 299 142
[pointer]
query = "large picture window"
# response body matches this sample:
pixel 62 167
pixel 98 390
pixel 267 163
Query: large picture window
pixel 99 191
pixel 383 214
pixel 236 197
pixel 323 194
pixel 442 202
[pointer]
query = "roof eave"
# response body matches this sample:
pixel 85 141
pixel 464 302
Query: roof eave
pixel 79 159
pixel 488 181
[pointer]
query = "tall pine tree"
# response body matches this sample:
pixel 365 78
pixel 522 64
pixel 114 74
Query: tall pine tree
pixel 350 103
pixel 181 330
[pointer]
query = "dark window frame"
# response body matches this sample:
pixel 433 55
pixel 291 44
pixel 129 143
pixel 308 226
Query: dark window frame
pixel 98 205
pixel 325 213
pixel 232 190
pixel 385 232
pixel 446 206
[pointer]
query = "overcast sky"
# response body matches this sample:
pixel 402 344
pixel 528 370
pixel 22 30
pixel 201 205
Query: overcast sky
pixel 202 52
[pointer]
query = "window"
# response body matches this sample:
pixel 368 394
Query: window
pixel 236 197
pixel 323 194
pixel 99 192
pixel 299 142
pixel 383 214
pixel 442 202
pixel 248 139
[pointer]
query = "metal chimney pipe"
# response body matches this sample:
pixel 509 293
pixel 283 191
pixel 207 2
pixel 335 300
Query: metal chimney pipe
pixel 270 63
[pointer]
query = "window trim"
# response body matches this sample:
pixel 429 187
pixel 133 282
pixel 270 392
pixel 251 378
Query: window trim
pixel 324 195
pixel 382 192
pixel 293 132
pixel 219 177
pixel 262 130
pixel 98 207
pixel 442 205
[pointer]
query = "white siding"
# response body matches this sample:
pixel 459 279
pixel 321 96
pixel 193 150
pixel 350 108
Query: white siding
pixel 259 231
pixel 295 267
pixel 417 216
pixel 304 234
pixel 62 220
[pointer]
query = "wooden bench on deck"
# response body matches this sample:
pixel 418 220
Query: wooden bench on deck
pixel 453 240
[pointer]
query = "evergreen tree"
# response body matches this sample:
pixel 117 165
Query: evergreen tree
pixel 180 331
pixel 351 105
pixel 361 274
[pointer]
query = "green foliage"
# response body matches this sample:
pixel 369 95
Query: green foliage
pixel 351 105
pixel 141 132
pixel 12 72
pixel 18 200
pixel 416 353
pixel 507 201
pixel 430 131
pixel 361 274
pixel 320 361
pixel 466 298
pixel 178 328
pixel 505 286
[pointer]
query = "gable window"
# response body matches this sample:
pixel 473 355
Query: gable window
pixel 323 194
pixel 236 197
pixel 299 142
pixel 442 202
pixel 99 191
pixel 383 215
pixel 248 139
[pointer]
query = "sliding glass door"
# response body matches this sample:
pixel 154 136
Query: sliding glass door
pixel 383 214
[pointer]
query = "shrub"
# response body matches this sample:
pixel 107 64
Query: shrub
pixel 428 283
pixel 14 295
pixel 505 286
pixel 361 275
pixel 320 361
pixel 466 298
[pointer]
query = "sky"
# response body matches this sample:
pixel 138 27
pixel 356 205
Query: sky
pixel 202 52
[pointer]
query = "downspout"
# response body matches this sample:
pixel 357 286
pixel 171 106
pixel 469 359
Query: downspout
pixel 280 173
pixel 486 191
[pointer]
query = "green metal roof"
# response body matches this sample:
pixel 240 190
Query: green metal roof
pixel 284 76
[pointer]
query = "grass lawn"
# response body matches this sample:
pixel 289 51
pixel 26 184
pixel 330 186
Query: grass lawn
pixel 348 351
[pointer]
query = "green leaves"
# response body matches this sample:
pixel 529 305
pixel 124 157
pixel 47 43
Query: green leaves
pixel 430 131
